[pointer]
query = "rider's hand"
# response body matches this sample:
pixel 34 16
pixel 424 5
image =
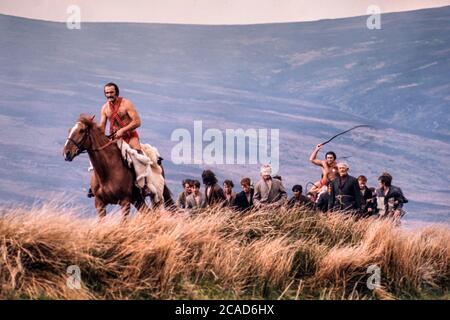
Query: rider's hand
pixel 119 133
pixel 319 146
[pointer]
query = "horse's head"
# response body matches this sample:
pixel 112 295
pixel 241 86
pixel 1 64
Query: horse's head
pixel 78 139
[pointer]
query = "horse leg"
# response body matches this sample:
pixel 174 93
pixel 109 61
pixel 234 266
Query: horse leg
pixel 126 208
pixel 94 185
pixel 101 207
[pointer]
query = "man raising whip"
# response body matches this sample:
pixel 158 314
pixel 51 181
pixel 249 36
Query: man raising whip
pixel 329 167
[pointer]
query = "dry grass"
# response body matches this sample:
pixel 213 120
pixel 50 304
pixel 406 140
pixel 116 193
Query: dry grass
pixel 217 254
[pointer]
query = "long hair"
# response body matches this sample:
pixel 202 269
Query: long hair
pixel 209 178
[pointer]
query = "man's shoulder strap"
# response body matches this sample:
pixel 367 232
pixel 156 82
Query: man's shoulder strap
pixel 114 108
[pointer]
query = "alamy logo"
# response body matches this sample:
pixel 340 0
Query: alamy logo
pixel 236 146
pixel 374 20
pixel 74 279
pixel 374 280
pixel 74 20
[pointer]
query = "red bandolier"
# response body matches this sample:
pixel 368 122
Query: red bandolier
pixel 116 122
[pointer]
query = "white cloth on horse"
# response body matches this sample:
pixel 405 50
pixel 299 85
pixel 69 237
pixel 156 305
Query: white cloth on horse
pixel 142 165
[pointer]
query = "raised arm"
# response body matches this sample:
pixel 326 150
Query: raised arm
pixel 313 157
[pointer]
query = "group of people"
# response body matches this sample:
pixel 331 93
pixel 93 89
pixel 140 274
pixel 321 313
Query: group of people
pixel 335 191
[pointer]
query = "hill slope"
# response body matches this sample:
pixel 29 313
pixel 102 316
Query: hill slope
pixel 310 80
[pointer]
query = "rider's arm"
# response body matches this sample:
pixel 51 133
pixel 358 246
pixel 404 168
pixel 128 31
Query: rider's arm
pixel 103 118
pixel 313 157
pixel 135 119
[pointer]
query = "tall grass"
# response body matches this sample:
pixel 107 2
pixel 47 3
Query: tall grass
pixel 218 254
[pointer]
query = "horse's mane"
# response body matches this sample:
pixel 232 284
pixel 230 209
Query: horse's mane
pixel 87 120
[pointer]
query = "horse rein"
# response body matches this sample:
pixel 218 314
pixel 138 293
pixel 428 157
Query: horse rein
pixel 110 142
pixel 81 150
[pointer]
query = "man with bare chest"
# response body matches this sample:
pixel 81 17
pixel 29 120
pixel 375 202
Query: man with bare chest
pixel 328 166
pixel 123 122
pixel 122 116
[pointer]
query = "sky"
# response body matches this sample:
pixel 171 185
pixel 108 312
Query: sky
pixel 207 11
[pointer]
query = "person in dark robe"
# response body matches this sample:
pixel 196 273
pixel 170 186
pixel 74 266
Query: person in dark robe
pixel 213 192
pixel 244 199
pixel 367 208
pixel 344 193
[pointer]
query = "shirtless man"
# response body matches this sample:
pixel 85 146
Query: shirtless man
pixel 123 120
pixel 122 115
pixel 329 167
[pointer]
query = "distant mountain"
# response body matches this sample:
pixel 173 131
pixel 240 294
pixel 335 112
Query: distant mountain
pixel 310 80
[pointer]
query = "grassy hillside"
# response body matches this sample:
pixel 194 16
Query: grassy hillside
pixel 217 254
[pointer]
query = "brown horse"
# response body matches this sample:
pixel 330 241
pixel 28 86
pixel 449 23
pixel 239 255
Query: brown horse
pixel 112 182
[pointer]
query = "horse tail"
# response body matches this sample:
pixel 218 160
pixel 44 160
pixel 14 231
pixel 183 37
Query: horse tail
pixel 167 195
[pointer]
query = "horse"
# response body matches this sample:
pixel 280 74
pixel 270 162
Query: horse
pixel 112 182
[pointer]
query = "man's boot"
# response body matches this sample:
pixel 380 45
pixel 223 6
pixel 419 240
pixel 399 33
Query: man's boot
pixel 90 194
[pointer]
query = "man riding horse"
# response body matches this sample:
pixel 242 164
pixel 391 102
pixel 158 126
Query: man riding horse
pixel 123 122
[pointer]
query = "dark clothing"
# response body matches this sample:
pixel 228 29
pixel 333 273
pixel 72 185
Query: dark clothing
pixel 230 202
pixel 366 194
pixel 241 203
pixel 368 201
pixel 393 200
pixel 344 194
pixel 322 202
pixel 214 195
pixel 300 202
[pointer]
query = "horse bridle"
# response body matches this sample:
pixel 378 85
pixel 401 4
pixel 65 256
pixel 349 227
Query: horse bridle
pixel 79 145
pixel 81 149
